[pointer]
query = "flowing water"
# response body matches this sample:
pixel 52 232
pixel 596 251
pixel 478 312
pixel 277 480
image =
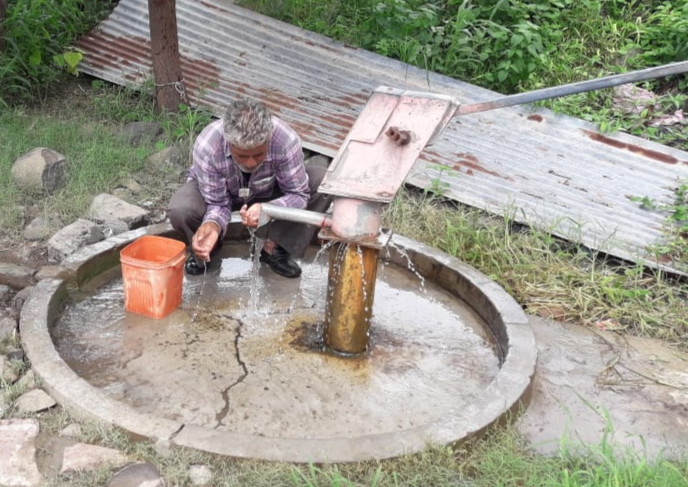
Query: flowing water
pixel 244 352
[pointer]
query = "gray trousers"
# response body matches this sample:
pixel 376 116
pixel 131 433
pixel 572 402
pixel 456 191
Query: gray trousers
pixel 187 208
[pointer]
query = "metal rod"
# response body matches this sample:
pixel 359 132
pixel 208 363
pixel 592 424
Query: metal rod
pixel 274 212
pixel 573 88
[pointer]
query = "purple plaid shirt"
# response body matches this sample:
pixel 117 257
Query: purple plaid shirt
pixel 219 178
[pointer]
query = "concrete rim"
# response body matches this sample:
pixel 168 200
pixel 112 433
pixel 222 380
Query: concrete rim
pixel 507 391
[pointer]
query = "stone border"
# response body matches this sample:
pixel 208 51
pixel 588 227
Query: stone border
pixel 508 390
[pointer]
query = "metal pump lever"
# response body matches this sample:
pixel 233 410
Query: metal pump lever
pixel 573 88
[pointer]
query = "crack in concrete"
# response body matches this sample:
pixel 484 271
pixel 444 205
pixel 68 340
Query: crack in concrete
pixel 136 356
pixel 220 417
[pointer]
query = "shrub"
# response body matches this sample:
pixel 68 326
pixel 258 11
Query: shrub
pixel 38 34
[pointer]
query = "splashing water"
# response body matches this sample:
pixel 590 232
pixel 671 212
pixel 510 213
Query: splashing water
pixel 254 296
pixel 409 265
pixel 200 295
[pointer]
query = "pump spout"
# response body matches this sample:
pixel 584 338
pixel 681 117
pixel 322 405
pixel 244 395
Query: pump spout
pixel 273 212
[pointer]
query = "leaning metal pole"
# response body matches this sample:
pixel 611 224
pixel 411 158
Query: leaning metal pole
pixel 573 88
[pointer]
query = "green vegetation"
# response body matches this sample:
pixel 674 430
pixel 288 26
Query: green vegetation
pixel 676 227
pixel 38 35
pixel 83 126
pixel 548 276
pixel 501 459
pixel 98 162
pixel 513 45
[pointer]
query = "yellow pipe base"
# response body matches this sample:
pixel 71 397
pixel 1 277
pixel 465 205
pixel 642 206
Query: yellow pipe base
pixel 350 294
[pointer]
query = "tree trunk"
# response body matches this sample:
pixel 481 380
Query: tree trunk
pixel 169 85
pixel 3 16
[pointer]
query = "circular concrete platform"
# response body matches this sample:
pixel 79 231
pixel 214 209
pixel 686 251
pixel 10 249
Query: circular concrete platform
pixel 450 353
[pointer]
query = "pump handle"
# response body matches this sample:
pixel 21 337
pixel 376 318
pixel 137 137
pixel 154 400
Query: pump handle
pixel 573 88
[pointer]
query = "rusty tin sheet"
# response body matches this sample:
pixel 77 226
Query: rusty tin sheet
pixel 554 172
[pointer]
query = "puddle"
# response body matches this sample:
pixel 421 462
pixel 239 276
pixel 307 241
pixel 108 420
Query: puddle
pixel 260 370
pixel 583 376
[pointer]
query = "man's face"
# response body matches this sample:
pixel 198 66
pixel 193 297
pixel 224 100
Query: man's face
pixel 249 160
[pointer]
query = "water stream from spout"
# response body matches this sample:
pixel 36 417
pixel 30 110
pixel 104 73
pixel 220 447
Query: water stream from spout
pixel 255 247
pixel 199 299
pixel 359 252
pixel 409 263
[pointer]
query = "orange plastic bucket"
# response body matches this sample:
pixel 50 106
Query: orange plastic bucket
pixel 152 272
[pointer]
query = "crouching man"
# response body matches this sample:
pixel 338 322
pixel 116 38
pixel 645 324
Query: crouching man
pixel 239 162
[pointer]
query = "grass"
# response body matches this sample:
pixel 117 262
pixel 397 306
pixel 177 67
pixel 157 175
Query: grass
pixel 548 276
pixel 516 46
pixel 500 459
pixel 81 122
pixel 97 162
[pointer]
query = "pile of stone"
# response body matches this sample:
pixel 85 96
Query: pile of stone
pixel 22 401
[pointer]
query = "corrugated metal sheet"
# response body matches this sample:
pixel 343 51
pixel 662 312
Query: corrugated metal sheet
pixel 553 172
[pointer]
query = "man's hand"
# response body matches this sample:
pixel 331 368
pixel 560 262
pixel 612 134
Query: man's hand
pixel 249 216
pixel 204 240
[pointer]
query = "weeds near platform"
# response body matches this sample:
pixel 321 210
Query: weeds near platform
pixel 549 276
pixel 501 459
pixel 675 246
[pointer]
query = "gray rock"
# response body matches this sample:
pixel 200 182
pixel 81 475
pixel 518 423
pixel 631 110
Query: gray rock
pixel 137 132
pixel 4 291
pixel 71 431
pixel 8 327
pixel 40 169
pixel 53 272
pixel 16 276
pixel 137 475
pixel 106 207
pixel 34 401
pixel 72 237
pixel 169 156
pixel 82 457
pixel 200 475
pixel 41 228
pixel 18 453
pixel 7 373
pixel 318 160
pixel 114 227
pixel 14 354
pixel 27 381
pixel 21 297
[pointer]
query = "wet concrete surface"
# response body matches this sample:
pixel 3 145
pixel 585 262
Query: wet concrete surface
pixel 587 380
pixel 244 354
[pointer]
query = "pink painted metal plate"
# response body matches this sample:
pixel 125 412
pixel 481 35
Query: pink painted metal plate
pixel 372 166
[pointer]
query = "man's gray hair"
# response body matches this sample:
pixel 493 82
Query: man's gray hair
pixel 247 123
